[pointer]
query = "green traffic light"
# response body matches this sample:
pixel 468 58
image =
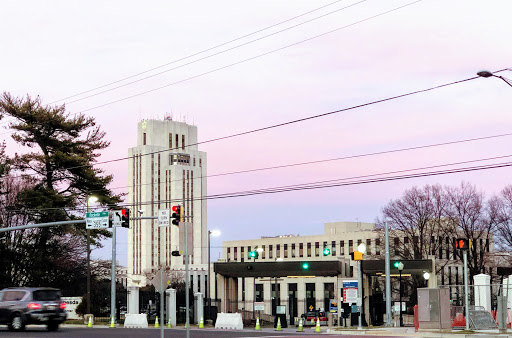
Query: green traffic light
pixel 305 266
pixel 327 251
pixel 253 254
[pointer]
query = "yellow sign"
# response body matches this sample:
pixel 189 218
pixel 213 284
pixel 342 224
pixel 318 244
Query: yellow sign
pixel 311 308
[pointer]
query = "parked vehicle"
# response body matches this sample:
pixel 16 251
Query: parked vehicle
pixel 309 318
pixel 24 306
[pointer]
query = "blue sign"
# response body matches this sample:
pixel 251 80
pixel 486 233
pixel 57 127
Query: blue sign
pixel 350 284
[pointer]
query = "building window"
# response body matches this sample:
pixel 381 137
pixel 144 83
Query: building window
pixel 351 246
pixel 177 144
pixel 144 139
pixel 270 251
pixel 342 248
pixel 351 271
pixel 333 248
pixel 368 246
pixel 440 248
pixel 317 249
pixel 309 250
pixel 183 142
pixel 285 250
pixel 397 246
pixel 377 246
pixel 263 252
pixel 301 249
pixel 194 162
pixel 293 250
pixel 235 254
pixel 228 256
pixel 242 254
pixel 259 293
pixel 170 140
pixel 200 163
pixel 278 250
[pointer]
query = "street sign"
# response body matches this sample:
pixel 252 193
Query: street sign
pixel 96 220
pixel 117 218
pixel 333 305
pixel 163 217
pixel 157 281
pixel 350 284
pixel 350 295
pixel 311 308
pixel 259 306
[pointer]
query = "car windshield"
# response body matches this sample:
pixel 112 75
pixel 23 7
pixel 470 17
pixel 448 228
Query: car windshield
pixel 46 295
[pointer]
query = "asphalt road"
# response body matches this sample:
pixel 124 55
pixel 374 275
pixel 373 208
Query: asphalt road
pixel 40 331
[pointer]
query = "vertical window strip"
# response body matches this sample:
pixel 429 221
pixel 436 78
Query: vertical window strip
pixel 159 206
pixel 152 210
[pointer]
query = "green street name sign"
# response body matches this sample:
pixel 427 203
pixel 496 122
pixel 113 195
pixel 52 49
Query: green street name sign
pixel 96 220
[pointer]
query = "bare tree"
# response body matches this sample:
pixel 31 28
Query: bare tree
pixel 417 223
pixel 472 218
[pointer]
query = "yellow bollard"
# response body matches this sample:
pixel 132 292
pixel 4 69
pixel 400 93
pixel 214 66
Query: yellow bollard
pixel 317 329
pixel 156 323
pixel 258 328
pixel 201 323
pixel 169 325
pixel 301 327
pixel 278 327
pixel 89 324
pixel 112 324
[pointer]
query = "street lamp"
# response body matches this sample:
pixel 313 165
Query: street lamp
pixel 486 73
pixel 400 267
pixel 90 199
pixel 213 233
pixel 426 275
pixel 362 249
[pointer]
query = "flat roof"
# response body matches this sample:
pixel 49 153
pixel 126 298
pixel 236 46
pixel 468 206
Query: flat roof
pixel 279 269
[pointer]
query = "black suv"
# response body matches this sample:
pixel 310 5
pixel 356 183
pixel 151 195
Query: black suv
pixel 23 306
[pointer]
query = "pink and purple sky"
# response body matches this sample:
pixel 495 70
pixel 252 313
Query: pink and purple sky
pixel 56 49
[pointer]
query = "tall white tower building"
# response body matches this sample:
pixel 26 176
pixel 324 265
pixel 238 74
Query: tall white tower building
pixel 166 169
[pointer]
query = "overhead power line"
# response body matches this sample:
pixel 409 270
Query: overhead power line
pixel 252 131
pixel 249 59
pixel 198 53
pixel 320 184
pixel 214 54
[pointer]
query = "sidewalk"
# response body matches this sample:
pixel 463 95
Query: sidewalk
pixel 410 332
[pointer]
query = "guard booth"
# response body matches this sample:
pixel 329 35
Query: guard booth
pixel 285 289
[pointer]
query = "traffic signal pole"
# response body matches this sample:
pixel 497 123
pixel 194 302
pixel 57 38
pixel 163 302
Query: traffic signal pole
pixel 466 292
pixel 113 278
pixel 187 278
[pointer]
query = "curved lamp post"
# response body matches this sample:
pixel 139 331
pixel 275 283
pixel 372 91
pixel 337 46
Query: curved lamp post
pixel 486 73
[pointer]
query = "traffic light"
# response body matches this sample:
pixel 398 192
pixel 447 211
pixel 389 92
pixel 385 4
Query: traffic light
pixel 305 266
pixel 125 218
pixel 327 251
pixel 176 253
pixel 253 254
pixel 463 244
pixel 176 215
pixel 356 256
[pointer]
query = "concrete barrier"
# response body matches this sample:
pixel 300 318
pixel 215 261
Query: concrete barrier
pixel 133 320
pixel 229 321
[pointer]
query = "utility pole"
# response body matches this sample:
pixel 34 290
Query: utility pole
pixel 388 277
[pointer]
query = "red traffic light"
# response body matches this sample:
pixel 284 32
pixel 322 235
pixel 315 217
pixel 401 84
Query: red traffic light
pixel 463 243
pixel 175 208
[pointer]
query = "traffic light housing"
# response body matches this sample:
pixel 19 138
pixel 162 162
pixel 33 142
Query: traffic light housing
pixel 253 254
pixel 327 251
pixel 463 244
pixel 176 253
pixel 356 256
pixel 176 215
pixel 125 218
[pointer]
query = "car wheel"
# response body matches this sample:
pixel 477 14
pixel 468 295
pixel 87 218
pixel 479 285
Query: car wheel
pixel 53 326
pixel 16 323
